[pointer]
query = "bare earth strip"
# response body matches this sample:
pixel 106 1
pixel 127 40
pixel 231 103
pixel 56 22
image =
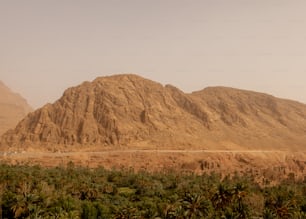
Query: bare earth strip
pixel 63 154
pixel 259 164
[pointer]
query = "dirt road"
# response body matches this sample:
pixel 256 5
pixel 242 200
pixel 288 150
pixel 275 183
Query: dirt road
pixel 131 151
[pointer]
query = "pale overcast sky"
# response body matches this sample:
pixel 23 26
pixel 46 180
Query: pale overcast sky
pixel 48 46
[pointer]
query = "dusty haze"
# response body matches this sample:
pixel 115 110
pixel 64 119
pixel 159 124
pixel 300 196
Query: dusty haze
pixel 47 46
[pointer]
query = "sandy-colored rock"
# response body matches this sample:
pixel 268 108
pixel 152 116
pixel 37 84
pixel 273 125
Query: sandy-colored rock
pixel 12 108
pixel 130 111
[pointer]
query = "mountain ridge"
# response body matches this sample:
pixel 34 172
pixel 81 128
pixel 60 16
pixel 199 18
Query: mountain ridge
pixel 13 107
pixel 130 111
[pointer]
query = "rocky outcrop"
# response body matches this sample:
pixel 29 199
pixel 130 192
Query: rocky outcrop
pixel 128 110
pixel 12 108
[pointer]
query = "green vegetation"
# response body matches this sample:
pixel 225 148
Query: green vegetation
pixel 79 192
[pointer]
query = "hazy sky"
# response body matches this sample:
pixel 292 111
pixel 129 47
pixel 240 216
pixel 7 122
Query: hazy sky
pixel 48 46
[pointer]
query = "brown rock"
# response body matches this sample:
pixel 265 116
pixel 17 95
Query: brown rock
pixel 127 110
pixel 12 108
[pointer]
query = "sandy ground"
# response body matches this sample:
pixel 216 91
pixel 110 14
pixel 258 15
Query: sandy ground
pixel 272 165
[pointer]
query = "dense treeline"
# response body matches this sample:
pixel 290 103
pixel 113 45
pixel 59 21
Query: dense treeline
pixel 79 192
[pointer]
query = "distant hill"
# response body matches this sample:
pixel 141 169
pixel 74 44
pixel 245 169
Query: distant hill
pixel 130 111
pixel 12 108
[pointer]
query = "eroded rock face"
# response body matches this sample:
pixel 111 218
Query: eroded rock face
pixel 128 110
pixel 108 111
pixel 12 108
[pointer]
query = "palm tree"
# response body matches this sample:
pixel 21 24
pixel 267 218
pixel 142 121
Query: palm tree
pixel 1 194
pixel 195 206
pixel 281 203
pixel 127 213
pixel 171 210
pixel 36 212
pixel 222 197
pixel 268 214
pixel 24 199
pixel 239 193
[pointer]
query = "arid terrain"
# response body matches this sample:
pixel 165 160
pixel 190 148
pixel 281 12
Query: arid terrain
pixel 126 121
pixel 12 108
pixel 260 165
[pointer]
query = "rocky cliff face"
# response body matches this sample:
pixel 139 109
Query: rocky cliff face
pixel 12 108
pixel 128 110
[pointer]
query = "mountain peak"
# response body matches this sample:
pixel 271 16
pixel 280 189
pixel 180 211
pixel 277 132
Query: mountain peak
pixel 13 108
pixel 128 110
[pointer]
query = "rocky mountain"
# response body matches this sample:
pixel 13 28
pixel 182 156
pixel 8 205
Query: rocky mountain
pixel 12 108
pixel 128 110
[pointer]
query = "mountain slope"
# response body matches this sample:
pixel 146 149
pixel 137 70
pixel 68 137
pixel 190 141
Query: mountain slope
pixel 255 120
pixel 128 110
pixel 12 108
